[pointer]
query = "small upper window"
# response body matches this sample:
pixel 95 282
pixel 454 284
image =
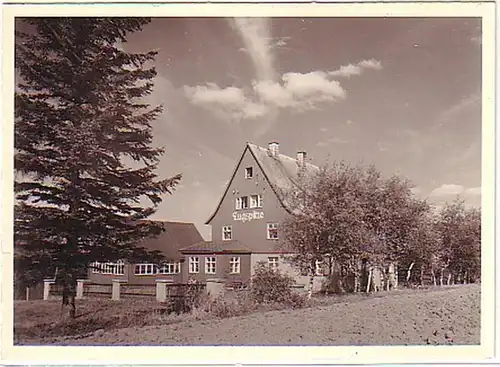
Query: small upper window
pixel 227 233
pixel 272 231
pixel 248 172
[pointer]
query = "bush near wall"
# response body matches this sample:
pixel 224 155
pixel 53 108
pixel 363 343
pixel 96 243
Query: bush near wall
pixel 271 286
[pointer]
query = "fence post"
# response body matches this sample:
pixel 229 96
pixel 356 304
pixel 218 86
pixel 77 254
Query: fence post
pixel 79 287
pixel 115 292
pixel 161 289
pixel 46 288
pixel 215 287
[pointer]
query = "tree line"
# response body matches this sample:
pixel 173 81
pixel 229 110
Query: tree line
pixel 351 215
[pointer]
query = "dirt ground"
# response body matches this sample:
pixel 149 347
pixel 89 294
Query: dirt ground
pixel 448 315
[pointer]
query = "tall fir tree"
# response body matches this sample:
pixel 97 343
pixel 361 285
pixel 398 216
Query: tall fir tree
pixel 84 156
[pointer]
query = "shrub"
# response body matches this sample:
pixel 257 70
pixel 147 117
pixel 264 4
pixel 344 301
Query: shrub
pixel 296 300
pixel 224 306
pixel 271 286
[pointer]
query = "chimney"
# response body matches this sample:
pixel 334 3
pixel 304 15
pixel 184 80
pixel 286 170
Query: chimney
pixel 301 159
pixel 274 149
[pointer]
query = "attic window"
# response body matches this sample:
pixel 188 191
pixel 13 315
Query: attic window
pixel 248 172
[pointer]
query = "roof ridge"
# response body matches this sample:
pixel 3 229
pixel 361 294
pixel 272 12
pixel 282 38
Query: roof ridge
pixel 280 155
pixel 172 221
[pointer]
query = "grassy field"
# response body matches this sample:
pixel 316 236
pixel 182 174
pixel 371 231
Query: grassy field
pixel 447 315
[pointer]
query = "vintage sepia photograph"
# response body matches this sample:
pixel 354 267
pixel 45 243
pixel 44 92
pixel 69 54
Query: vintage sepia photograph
pixel 248 181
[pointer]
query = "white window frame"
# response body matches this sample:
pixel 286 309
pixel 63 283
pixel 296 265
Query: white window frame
pixel 145 269
pixel 248 176
pixel 244 200
pixel 273 262
pixel 194 265
pixel 270 227
pixel 254 201
pixel 235 265
pixel 228 229
pixel 170 267
pixel 210 265
pixel 238 203
pixel 109 268
pixel 260 201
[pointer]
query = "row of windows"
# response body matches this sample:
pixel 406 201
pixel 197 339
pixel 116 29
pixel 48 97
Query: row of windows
pixel 152 269
pixel 252 201
pixel 211 265
pixel 118 268
pixel 111 268
pixel 272 232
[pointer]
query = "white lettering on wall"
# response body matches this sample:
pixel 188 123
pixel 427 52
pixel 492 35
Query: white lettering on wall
pixel 247 217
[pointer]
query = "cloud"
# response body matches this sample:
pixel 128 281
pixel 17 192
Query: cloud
pixel 447 189
pixel 256 36
pixel 298 92
pixel 473 191
pixel 211 93
pixel 453 190
pixel 356 69
pixel 458 108
pixel 416 190
pixel 330 141
pixel 229 102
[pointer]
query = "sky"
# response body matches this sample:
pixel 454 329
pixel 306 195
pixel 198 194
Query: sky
pixel 403 94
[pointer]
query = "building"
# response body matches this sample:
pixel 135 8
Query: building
pixel 176 236
pixel 245 223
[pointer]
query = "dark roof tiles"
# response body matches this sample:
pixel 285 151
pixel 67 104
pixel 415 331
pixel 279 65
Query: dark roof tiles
pixel 176 236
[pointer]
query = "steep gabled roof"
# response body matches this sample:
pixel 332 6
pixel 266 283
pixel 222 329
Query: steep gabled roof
pixel 281 172
pixel 233 246
pixel 176 236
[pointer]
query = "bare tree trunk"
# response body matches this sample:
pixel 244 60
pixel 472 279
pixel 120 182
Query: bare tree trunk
pixel 72 311
pixel 465 277
pixel 357 284
pixel 387 280
pixel 356 274
pixel 408 273
pixel 449 278
pixel 396 276
pixel 422 276
pixel 310 288
pixel 369 280
pixel 434 281
pixel 441 277
pixel 27 293
pixel 69 293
